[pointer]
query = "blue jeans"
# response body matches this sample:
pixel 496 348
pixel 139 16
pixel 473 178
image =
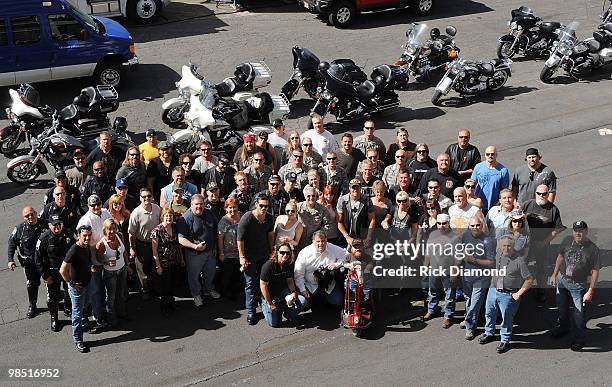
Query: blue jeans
pixel 252 294
pixel 78 299
pixel 200 262
pixel 570 294
pixel 334 298
pixel 435 283
pixel 96 294
pixel 500 302
pixel 274 317
pixel 116 291
pixel 475 293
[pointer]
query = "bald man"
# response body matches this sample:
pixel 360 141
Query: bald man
pixel 491 177
pixel 463 155
pixel 23 241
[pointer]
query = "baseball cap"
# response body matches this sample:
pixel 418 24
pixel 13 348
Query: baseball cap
pixel 291 176
pixel 517 213
pixel 224 157
pixel 177 187
pixel 532 152
pixel 277 122
pixel 354 182
pixel 121 183
pixel 212 185
pixel 274 179
pixel 55 219
pixel 61 174
pixel 78 152
pixel 93 200
pixel 151 132
pixel 263 134
pixel 580 225
pixel 164 145
pixel 442 218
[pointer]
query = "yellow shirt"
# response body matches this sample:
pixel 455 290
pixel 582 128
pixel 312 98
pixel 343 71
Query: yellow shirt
pixel 148 152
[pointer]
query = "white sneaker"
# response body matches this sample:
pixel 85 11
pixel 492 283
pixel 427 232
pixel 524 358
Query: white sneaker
pixel 197 300
pixel 213 293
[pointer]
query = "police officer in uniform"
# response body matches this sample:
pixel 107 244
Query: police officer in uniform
pixel 51 250
pixel 23 241
pixel 61 207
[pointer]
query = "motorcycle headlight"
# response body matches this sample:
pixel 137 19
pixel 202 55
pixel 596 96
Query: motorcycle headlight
pixel 565 48
pixel 34 142
pixel 580 48
pixel 513 25
pixel 325 94
pixel 411 50
pixel 455 68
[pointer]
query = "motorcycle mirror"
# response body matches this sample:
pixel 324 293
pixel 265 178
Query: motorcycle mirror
pixel 451 31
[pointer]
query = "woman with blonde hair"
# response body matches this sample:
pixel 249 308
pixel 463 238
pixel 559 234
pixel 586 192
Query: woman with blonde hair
pixel 288 229
pixel 121 215
pixel 294 143
pixel 111 252
pixel 470 190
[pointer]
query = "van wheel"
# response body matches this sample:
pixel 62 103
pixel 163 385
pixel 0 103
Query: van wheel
pixel 109 73
pixel 343 13
pixel 422 7
pixel 143 11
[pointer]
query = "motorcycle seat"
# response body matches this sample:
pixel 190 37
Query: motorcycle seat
pixel 365 89
pixel 68 113
pixel 245 73
pixel 91 94
pixel 595 45
pixel 485 69
pixel 549 27
pixel 226 88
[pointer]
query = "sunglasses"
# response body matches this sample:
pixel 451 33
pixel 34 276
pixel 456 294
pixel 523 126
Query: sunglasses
pixel 372 157
pixel 290 211
pixel 475 225
pixel 435 187
pixel 98 169
pixel 489 154
pixel 95 205
pixel 402 201
pixel 146 196
pixel 441 223
pixel 332 158
pixel 421 151
pixel 399 157
pixel 464 136
pixel 368 127
pixel 542 193
pixel 134 154
pixel 79 158
pixel 258 160
pixel 274 184
pixel 469 186
pixel 521 221
pixel 307 145
pixel 284 252
pixel 263 205
pixel 205 149
pixel 187 163
pixel 298 156
pixel 431 208
pixel 29 215
pixel 294 138
pixel 225 164
pixel 60 194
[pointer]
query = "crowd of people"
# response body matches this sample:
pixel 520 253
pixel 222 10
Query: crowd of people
pixel 265 220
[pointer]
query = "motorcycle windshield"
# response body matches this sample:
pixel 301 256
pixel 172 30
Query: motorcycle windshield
pixel 417 36
pixel 207 97
pixel 568 33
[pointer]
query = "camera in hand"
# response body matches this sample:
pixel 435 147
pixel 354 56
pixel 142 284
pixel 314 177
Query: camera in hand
pixel 325 276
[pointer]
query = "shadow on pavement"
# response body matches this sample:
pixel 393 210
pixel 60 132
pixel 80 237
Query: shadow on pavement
pixel 456 101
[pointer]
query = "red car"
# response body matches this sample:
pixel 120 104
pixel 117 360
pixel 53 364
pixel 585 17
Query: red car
pixel 343 12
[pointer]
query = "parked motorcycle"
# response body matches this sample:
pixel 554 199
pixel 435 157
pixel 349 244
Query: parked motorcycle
pixel 347 101
pixel 247 79
pixel 57 149
pixel 606 16
pixel 422 55
pixel 84 118
pixel 470 78
pixel 358 312
pixel 528 35
pixel 577 58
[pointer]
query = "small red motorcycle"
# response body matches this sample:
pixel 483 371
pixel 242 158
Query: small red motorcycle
pixel 358 313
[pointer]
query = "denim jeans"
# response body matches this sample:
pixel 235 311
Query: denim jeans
pixel 252 294
pixel 500 302
pixel 274 317
pixel 336 297
pixel 200 262
pixel 79 299
pixel 115 283
pixel 435 283
pixel 570 294
pixel 96 294
pixel 475 293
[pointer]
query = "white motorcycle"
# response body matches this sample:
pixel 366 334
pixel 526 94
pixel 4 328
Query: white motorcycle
pixel 247 80
pixel 222 121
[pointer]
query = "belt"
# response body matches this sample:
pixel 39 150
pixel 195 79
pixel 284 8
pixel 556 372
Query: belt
pixel 144 243
pixel 507 291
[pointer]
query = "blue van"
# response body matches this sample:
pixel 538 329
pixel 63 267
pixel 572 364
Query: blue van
pixel 45 40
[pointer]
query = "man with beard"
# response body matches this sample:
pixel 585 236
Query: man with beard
pixel 332 175
pixel 297 166
pixel 544 220
pixel 243 192
pixel 258 173
pixel 76 175
pixel 97 184
pixel 528 177
pixel 313 215
pixel 206 160
pixel 212 202
pixel 419 165
pixel 463 155
pixel 159 170
pixel 278 197
pixel 244 155
pixel 223 175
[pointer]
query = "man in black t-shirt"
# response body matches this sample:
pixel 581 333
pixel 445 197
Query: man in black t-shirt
pixel 349 157
pixel 578 259
pixel 449 178
pixel 255 240
pixel 463 155
pixel 76 271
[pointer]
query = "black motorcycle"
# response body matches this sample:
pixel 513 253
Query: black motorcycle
pixel 84 118
pixel 306 74
pixel 471 78
pixel 528 35
pixel 424 56
pixel 57 148
pixel 347 101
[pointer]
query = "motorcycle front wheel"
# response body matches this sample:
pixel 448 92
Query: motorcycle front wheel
pixel 174 116
pixel 10 143
pixel 497 81
pixel 504 50
pixel 24 172
pixel 547 73
pixel 436 97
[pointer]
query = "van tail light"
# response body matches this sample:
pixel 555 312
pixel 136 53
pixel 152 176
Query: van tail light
pixel 133 48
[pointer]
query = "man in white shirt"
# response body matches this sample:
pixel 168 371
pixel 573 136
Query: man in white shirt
pixel 278 138
pixel 310 259
pixel 462 211
pixel 322 140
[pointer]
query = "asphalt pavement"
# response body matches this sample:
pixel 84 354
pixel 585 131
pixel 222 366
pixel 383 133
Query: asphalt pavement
pixel 214 344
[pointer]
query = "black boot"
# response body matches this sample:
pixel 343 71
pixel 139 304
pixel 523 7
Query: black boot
pixel 53 309
pixel 67 304
pixel 33 298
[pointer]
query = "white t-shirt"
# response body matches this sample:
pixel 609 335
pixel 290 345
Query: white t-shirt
pixel 322 143
pixel 460 217
pixel 277 141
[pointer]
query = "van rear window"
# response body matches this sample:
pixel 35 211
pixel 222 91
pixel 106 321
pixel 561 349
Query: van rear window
pixel 26 29
pixel 3 38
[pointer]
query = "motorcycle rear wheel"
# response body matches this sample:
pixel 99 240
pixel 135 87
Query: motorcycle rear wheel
pixel 11 143
pixel 23 173
pixel 546 74
pixel 436 98
pixel 504 51
pixel 174 116
pixel 497 81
